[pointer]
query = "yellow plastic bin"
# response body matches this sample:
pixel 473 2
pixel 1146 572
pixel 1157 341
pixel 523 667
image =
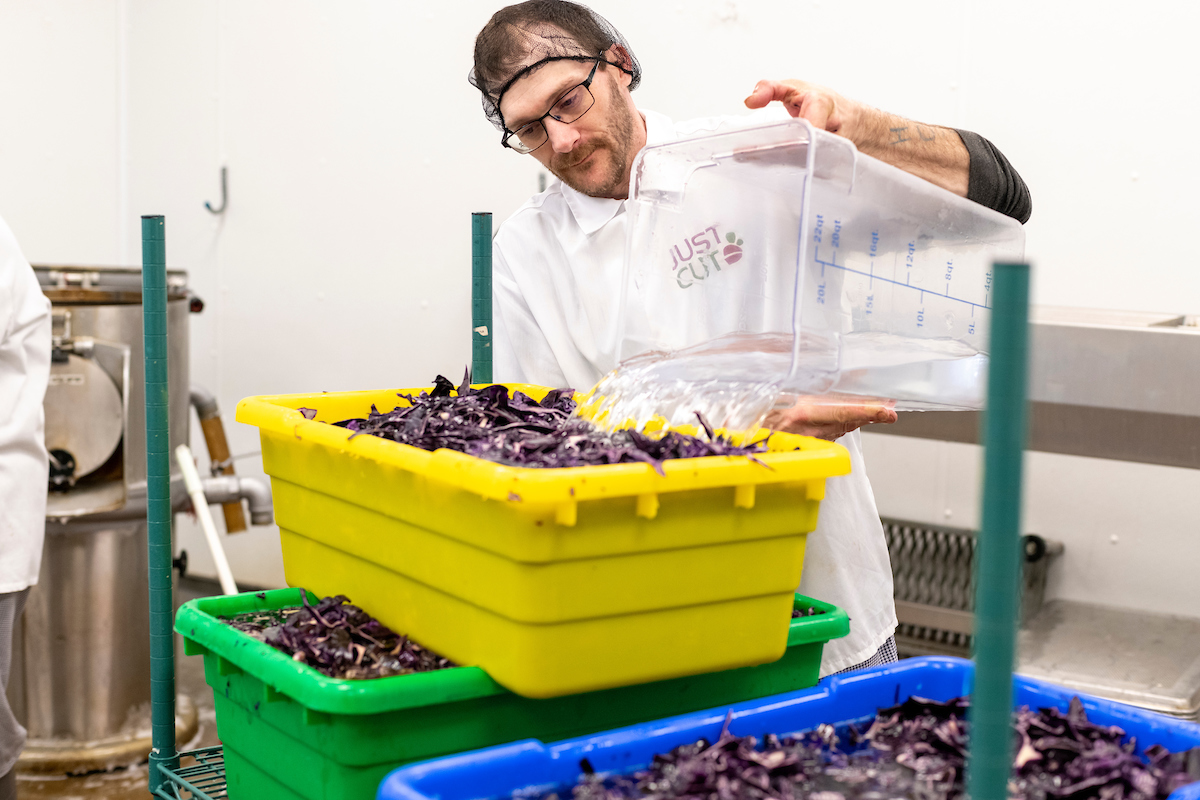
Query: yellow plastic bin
pixel 555 581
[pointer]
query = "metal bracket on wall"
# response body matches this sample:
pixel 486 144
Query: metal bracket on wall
pixel 224 193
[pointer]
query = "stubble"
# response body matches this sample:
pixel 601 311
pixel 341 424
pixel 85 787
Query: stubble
pixel 611 146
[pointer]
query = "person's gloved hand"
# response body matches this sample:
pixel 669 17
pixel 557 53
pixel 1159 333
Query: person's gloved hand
pixel 824 108
pixel 816 416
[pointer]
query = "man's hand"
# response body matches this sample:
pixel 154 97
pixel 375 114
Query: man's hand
pixel 824 108
pixel 814 416
pixel 934 153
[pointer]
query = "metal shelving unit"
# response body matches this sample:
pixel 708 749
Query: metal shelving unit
pixel 200 774
pixel 204 779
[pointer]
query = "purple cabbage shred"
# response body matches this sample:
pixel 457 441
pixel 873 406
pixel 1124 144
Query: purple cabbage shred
pixel 811 611
pixel 338 639
pixel 916 750
pixel 519 431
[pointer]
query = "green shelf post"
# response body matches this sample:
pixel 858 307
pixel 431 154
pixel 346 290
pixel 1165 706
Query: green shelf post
pixel 481 297
pixel 998 558
pixel 158 500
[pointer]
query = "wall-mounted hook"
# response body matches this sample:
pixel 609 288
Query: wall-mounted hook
pixel 224 194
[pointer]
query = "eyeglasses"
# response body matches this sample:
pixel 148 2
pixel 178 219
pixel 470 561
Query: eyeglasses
pixel 567 109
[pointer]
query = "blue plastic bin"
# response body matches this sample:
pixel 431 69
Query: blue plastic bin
pixel 529 764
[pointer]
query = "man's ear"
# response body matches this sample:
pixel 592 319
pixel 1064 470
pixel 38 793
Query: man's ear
pixel 617 54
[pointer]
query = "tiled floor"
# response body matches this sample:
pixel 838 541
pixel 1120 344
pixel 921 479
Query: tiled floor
pixel 130 784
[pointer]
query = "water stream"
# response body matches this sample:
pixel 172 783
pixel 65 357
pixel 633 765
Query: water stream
pixel 735 381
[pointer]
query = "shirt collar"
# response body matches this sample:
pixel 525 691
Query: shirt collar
pixel 593 213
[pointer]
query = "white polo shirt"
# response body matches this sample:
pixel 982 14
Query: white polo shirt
pixel 556 283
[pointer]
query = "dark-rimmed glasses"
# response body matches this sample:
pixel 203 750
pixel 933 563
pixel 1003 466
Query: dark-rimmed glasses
pixel 569 107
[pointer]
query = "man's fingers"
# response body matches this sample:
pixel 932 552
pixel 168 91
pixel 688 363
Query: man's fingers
pixel 832 420
pixel 766 92
pixel 816 109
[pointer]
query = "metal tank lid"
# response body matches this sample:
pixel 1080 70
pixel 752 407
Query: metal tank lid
pixel 65 284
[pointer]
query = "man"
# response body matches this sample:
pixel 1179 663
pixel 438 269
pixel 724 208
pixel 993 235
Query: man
pixel 556 78
pixel 24 372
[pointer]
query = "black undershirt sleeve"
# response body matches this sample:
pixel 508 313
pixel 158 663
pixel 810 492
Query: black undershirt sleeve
pixel 993 182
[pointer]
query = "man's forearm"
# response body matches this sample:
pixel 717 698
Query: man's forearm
pixel 961 161
pixel 928 151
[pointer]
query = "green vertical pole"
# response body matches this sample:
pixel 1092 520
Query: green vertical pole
pixel 481 297
pixel 158 499
pixel 998 557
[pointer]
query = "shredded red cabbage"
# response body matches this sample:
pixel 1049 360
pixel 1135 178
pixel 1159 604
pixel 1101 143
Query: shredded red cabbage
pixel 915 750
pixel 338 639
pixel 521 432
pixel 811 611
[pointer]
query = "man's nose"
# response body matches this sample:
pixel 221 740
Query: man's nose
pixel 562 135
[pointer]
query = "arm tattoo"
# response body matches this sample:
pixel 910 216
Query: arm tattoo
pixel 924 134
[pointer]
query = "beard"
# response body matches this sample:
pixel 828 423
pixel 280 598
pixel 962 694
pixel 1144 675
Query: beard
pixel 609 151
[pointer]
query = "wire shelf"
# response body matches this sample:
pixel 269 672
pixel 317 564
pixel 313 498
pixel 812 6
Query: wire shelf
pixel 202 780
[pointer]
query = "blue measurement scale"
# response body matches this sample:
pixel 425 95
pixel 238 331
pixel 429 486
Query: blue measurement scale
pixel 868 278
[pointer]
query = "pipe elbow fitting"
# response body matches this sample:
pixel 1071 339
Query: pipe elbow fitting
pixel 258 496
pixel 204 401
pixel 223 489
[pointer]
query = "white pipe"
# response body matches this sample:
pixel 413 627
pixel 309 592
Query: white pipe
pixel 195 490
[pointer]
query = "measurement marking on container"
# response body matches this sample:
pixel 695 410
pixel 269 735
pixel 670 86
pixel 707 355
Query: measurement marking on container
pixel 824 264
pixel 833 263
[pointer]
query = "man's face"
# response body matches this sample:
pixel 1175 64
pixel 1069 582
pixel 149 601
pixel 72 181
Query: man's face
pixel 592 154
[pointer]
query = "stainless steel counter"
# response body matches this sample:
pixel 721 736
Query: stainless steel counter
pixel 1105 384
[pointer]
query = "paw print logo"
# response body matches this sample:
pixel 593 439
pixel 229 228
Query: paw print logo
pixel 733 250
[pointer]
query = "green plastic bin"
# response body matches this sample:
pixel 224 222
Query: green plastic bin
pixel 290 732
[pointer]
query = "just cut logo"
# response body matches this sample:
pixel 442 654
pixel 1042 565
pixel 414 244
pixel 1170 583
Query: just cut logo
pixel 704 256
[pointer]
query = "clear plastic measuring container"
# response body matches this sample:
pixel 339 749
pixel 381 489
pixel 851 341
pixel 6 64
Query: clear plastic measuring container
pixel 777 254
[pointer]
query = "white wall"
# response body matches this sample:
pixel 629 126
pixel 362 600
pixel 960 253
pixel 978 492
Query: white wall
pixel 356 150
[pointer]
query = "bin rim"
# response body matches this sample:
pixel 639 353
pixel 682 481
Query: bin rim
pixel 198 622
pixel 791 458
pixel 452 777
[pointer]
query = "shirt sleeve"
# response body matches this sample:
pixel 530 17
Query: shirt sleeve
pixel 521 354
pixel 993 182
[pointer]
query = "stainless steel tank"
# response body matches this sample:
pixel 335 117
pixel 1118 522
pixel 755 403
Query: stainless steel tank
pixel 81 677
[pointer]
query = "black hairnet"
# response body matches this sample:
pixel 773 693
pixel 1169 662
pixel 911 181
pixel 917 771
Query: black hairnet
pixel 521 38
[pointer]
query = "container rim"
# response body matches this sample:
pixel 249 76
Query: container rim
pixel 790 459
pixel 199 622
